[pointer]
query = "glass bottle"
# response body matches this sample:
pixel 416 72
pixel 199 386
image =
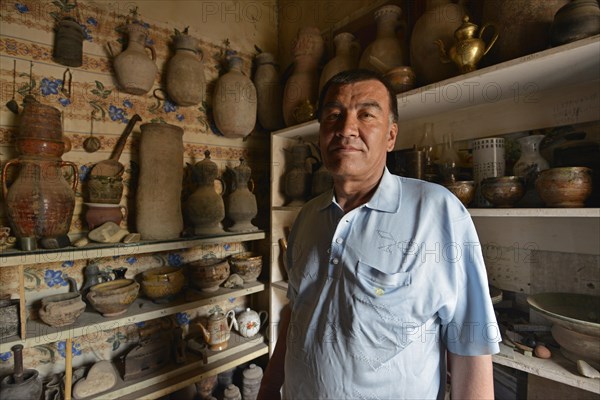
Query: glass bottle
pixel 427 146
pixel 449 161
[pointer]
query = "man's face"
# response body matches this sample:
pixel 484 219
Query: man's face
pixel 356 132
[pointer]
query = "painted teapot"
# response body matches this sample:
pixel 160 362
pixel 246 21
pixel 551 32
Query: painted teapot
pixel 218 329
pixel 250 321
pixel 468 49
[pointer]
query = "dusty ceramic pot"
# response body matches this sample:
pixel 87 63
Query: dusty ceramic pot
pixel 206 387
pixel 62 309
pixel 347 50
pixel 31 146
pixel 574 21
pixel 268 92
pixel 105 189
pixel 234 102
pixel 321 181
pixel 564 186
pixel 68 43
pixel 186 83
pixel 207 274
pixel 241 203
pixel 386 52
pixel 250 321
pixel 114 297
pixel 217 331
pixel 162 282
pixel 297 183
pixel 9 318
pixel 463 190
pixel 247 265
pixel 24 383
pixel 232 392
pixel 504 191
pixel 99 213
pixel 205 208
pixel 402 79
pixel 40 121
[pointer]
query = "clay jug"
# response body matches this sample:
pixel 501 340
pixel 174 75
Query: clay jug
pixel 439 21
pixel 303 84
pixel 347 50
pixel 185 72
pixel 574 21
pixel 40 202
pixel 241 203
pixel 234 102
pixel 22 384
pixel 528 166
pixel 386 51
pixel 218 330
pixel 297 183
pixel 68 43
pixel 524 27
pixel 134 69
pixel 268 92
pixel 205 209
pixel 40 121
pixel 158 197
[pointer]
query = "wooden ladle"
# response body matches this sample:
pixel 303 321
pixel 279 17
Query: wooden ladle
pixel 112 166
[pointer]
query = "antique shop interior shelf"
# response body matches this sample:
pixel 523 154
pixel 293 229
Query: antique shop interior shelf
pixel 555 87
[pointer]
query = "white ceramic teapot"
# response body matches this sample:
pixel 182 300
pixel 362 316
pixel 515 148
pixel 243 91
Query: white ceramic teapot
pixel 250 321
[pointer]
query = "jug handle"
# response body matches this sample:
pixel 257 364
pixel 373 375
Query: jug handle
pixel 111 50
pixel 251 185
pixel 4 171
pixel 200 53
pixel 223 185
pixel 494 37
pixel 75 175
pixel 148 46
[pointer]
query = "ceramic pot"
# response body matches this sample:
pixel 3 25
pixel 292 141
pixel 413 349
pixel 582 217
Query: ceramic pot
pixel 250 321
pixel 162 282
pixel 241 203
pixel 503 191
pixel 207 274
pixel 68 43
pixel 185 72
pixel 9 318
pixel 135 71
pixel 488 162
pixel 206 386
pixel 62 309
pixel 297 183
pixel 105 189
pixel 386 52
pixel 99 213
pixel 23 383
pixel 247 265
pixel 232 392
pixel 31 146
pixel 402 79
pixel 439 21
pixel 524 27
pixel 463 190
pixel 574 21
pixel 114 297
pixel 565 186
pixel 40 121
pixel 205 209
pixel 303 84
pixel 234 102
pixel 40 202
pixel 347 50
pixel 158 212
pixel 218 330
pixel 268 92
pixel 528 166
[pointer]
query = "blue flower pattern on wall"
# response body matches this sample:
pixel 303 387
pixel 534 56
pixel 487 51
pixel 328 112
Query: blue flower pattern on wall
pixel 182 319
pixel 75 348
pixel 54 278
pixel 127 103
pixel 50 86
pixel 169 106
pixel 131 260
pixel 64 102
pixel 83 173
pixel 174 260
pixel 67 264
pixel 117 114
pixel 5 356
pixel 22 8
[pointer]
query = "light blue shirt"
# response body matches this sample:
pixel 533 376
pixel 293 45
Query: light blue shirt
pixel 379 294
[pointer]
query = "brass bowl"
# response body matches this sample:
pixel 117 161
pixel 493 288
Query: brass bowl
pixel 113 297
pixel 208 273
pixel 564 186
pixel 247 265
pixel 402 79
pixel 463 190
pixel 503 191
pixel 162 282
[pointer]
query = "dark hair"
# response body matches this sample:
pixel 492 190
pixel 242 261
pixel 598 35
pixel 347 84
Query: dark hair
pixel 358 75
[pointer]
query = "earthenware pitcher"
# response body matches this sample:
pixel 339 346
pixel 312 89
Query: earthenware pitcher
pixel 386 52
pixel 218 329
pixel 347 50
pixel 205 209
pixel 241 203
pixel 186 83
pixel 528 167
pixel 134 69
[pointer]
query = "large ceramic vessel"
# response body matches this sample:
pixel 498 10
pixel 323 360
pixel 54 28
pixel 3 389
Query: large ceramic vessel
pixel 346 57
pixel 386 52
pixel 574 21
pixel 234 102
pixel 241 203
pixel 268 92
pixel 185 72
pixel 158 197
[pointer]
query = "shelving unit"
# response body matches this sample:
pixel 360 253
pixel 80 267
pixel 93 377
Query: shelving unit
pixel 551 88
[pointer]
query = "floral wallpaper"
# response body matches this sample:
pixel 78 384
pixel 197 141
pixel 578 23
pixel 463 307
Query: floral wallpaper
pixel 92 105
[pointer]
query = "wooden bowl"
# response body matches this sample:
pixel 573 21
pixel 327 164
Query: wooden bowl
pixel 464 190
pixel 247 265
pixel 162 282
pixel 564 186
pixel 503 191
pixel 208 273
pixel 114 297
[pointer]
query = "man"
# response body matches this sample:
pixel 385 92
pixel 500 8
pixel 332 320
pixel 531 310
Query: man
pixel 386 277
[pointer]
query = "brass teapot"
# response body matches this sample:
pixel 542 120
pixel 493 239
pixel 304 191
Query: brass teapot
pixel 218 330
pixel 468 49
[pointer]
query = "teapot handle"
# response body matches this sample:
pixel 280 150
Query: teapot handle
pixel 233 322
pixel 494 37
pixel 16 161
pixel 266 316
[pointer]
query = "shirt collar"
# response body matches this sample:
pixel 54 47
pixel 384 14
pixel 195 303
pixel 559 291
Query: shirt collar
pixel 386 198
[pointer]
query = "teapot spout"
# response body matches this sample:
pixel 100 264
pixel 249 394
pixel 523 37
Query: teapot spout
pixel 205 333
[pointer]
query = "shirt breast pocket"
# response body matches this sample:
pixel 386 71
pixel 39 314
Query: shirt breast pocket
pixel 377 283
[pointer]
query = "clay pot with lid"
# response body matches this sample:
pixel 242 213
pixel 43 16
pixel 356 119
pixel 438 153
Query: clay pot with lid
pixel 241 203
pixel 186 83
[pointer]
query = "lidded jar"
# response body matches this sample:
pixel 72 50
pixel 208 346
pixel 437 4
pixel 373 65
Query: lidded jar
pixel 205 208
pixel 185 72
pixel 241 203
pixel 385 52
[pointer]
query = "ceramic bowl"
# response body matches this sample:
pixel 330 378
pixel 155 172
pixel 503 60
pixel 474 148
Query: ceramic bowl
pixel 113 297
pixel 576 319
pixel 105 189
pixel 503 191
pixel 247 265
pixel 162 282
pixel 61 309
pixel 564 186
pixel 464 190
pixel 402 79
pixel 208 273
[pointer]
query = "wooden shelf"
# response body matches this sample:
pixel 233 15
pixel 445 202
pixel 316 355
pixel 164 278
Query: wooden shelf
pixel 281 285
pixel 557 368
pixel 536 212
pixel 12 257
pixel 174 377
pixel 142 309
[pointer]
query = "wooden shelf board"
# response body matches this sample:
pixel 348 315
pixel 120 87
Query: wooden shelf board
pixel 281 285
pixel 536 212
pixel 557 368
pixel 17 257
pixel 141 310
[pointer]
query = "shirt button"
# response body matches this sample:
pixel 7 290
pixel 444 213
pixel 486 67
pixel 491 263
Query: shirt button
pixel 339 240
pixel 335 261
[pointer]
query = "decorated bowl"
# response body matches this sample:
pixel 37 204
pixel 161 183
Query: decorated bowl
pixel 564 186
pixel 463 190
pixel 162 282
pixel 208 273
pixel 247 265
pixel 503 191
pixel 113 297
